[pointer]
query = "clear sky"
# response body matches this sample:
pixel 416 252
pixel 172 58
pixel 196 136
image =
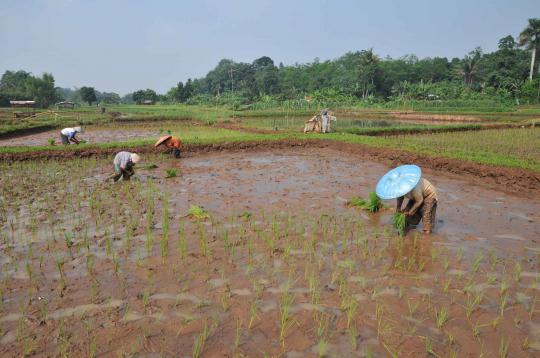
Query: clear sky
pixel 125 45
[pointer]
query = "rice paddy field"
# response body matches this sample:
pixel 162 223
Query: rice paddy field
pixel 249 245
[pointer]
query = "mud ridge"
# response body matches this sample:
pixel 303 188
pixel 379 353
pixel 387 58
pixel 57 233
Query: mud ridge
pixel 26 131
pixel 384 133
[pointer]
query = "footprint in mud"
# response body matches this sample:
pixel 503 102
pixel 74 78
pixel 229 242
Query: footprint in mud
pixel 80 310
pixel 510 237
pixel 520 216
pixel 241 292
pixel 476 207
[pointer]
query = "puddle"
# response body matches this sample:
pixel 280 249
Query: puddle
pixel 176 297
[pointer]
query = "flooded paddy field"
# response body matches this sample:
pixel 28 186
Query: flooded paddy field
pixel 247 254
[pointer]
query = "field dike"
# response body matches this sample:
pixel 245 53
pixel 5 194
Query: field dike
pixel 514 180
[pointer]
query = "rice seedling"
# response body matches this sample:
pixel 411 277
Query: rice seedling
pixel 517 271
pixel 441 317
pixel 428 344
pixel 473 303
pixel 446 285
pixel 200 340
pixel 238 334
pixel 170 173
pixel 393 353
pixel 350 305
pixel 503 348
pixel 525 343
pixel 460 253
pixel 164 241
pixel 399 222
pixel 198 212
pixel 413 307
pixel 353 337
pixel 252 313
pixel 322 347
pixel 477 261
pixel 226 299
pixel 286 321
pixel 182 245
pixel 203 242
pixel 502 303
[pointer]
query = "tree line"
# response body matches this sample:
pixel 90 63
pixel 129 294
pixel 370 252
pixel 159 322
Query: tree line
pixel 509 73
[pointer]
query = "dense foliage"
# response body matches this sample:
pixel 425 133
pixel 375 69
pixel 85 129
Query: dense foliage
pixel 507 75
pixel 364 75
pixel 22 85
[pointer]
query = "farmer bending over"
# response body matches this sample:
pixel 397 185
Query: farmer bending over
pixel 171 142
pixel 422 205
pixel 406 181
pixel 123 165
pixel 70 135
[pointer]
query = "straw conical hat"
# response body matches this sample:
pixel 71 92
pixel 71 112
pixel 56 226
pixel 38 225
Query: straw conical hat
pixel 162 139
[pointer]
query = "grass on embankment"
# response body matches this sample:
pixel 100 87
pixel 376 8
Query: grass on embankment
pixel 519 148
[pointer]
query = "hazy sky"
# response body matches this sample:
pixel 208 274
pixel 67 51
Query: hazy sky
pixel 125 45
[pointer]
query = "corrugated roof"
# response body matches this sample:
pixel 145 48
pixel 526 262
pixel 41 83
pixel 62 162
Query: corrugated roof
pixel 22 102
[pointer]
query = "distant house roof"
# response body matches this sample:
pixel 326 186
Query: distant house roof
pixel 22 103
pixel 65 102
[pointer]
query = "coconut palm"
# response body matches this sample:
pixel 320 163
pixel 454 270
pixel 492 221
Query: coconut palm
pixel 530 37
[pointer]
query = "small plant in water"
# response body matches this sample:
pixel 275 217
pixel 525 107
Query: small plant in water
pixel 170 173
pixel 198 212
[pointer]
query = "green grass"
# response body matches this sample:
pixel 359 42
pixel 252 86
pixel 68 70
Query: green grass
pixel 508 147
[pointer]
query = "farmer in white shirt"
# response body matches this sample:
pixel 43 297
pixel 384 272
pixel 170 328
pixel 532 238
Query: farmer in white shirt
pixel 70 135
pixel 123 165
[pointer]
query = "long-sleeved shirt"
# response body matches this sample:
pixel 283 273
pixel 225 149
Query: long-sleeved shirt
pixel 423 190
pixel 122 160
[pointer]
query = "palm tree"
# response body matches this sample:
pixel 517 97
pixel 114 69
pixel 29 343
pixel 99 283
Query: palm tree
pixel 469 67
pixel 530 37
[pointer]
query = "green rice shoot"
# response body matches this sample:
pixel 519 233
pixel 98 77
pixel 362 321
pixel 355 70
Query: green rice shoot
pixel 373 204
pixel 399 223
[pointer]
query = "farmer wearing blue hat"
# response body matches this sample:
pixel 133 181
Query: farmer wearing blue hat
pixel 406 182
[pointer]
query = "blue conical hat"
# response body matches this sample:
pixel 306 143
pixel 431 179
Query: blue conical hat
pixel 398 181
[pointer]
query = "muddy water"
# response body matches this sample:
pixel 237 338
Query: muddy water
pixel 308 181
pixel 130 299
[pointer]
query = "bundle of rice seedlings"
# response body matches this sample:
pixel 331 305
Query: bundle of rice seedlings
pixel 399 222
pixel 358 202
pixel 373 204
